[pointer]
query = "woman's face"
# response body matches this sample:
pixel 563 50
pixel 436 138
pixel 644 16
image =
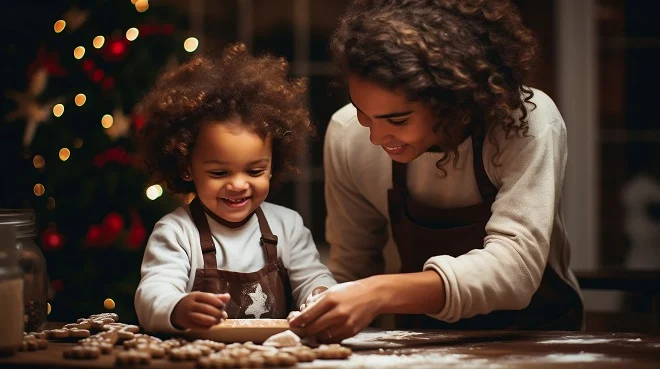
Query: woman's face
pixel 404 129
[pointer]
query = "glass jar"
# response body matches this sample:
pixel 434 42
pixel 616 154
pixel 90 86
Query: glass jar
pixel 33 264
pixel 11 293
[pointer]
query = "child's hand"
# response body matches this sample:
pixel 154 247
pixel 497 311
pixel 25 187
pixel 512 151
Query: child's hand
pixel 199 310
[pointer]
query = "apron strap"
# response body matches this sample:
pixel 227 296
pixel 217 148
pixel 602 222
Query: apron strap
pixel 268 239
pixel 399 174
pixel 208 248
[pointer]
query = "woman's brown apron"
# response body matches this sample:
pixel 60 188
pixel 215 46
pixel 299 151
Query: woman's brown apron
pixel 421 232
pixel 265 293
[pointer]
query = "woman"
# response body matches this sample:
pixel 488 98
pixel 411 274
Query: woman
pixel 447 153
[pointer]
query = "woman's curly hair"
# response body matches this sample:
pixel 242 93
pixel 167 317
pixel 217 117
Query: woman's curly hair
pixel 468 59
pixel 236 84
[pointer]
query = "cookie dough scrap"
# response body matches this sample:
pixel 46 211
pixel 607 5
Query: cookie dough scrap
pixel 283 339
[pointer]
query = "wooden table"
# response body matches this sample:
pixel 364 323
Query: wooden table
pixel 438 349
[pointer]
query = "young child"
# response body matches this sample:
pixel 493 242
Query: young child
pixel 224 129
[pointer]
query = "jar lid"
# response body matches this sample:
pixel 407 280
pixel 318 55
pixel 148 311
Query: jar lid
pixel 23 220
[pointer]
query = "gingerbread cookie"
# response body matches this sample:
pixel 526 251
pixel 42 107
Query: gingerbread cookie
pixel 105 347
pixel 185 353
pixel 132 357
pixel 141 339
pixel 332 352
pixel 303 354
pixel 32 342
pixel 213 345
pixel 82 353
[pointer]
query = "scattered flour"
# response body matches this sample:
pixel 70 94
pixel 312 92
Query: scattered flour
pixel 578 340
pixel 582 357
pixel 413 361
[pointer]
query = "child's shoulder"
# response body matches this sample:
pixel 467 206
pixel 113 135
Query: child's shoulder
pixel 179 218
pixel 278 214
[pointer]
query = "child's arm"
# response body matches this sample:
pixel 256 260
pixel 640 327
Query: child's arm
pixel 165 274
pixel 307 274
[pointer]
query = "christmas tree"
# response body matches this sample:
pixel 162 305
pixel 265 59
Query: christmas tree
pixel 76 74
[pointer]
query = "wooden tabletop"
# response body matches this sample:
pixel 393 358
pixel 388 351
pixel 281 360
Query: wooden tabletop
pixel 437 349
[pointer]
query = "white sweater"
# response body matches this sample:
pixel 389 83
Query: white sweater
pixel 173 254
pixel 525 232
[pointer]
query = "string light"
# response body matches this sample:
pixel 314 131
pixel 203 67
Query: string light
pixel 48 308
pixel 132 34
pixel 190 44
pixel 154 192
pixel 79 52
pixel 141 5
pixel 51 203
pixel 109 304
pixel 58 110
pixel 107 121
pixel 59 26
pixel 38 161
pixel 98 42
pixel 39 189
pixel 78 142
pixel 80 99
pixel 65 154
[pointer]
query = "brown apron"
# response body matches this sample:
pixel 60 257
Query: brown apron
pixel 421 232
pixel 265 293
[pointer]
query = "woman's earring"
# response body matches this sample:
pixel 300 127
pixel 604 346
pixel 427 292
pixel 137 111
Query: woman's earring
pixel 186 175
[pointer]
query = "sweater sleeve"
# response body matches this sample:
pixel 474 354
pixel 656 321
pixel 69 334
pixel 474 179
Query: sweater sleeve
pixel 165 273
pixel 355 229
pixel 508 270
pixel 306 272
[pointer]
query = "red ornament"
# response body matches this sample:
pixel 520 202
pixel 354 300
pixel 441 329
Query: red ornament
pixel 57 285
pixel 93 237
pixel 88 65
pixel 136 233
pixel 138 121
pixel 97 75
pixel 115 50
pixel 51 239
pixel 108 83
pixel 112 224
pixel 49 60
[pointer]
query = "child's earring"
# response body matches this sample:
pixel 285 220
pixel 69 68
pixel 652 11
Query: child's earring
pixel 186 176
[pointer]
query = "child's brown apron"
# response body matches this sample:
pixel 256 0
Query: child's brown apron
pixel 421 232
pixel 265 293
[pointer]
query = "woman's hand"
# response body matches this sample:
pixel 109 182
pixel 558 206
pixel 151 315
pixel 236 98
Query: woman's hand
pixel 340 312
pixel 199 310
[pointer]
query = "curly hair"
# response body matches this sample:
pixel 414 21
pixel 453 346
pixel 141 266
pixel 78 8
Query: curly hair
pixel 466 59
pixel 235 84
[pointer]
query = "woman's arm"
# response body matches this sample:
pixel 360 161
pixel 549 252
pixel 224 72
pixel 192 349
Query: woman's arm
pixel 346 309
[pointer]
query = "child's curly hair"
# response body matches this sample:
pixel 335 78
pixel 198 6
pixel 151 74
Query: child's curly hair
pixel 468 59
pixel 255 89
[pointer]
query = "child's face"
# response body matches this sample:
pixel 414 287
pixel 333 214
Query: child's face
pixel 404 129
pixel 231 169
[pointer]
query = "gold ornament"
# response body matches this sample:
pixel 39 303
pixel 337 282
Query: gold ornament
pixel 121 125
pixel 29 107
pixel 75 18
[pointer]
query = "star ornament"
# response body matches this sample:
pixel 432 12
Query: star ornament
pixel 28 106
pixel 75 18
pixel 258 306
pixel 121 125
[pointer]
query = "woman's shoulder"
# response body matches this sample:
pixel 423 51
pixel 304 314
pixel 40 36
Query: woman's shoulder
pixel 542 112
